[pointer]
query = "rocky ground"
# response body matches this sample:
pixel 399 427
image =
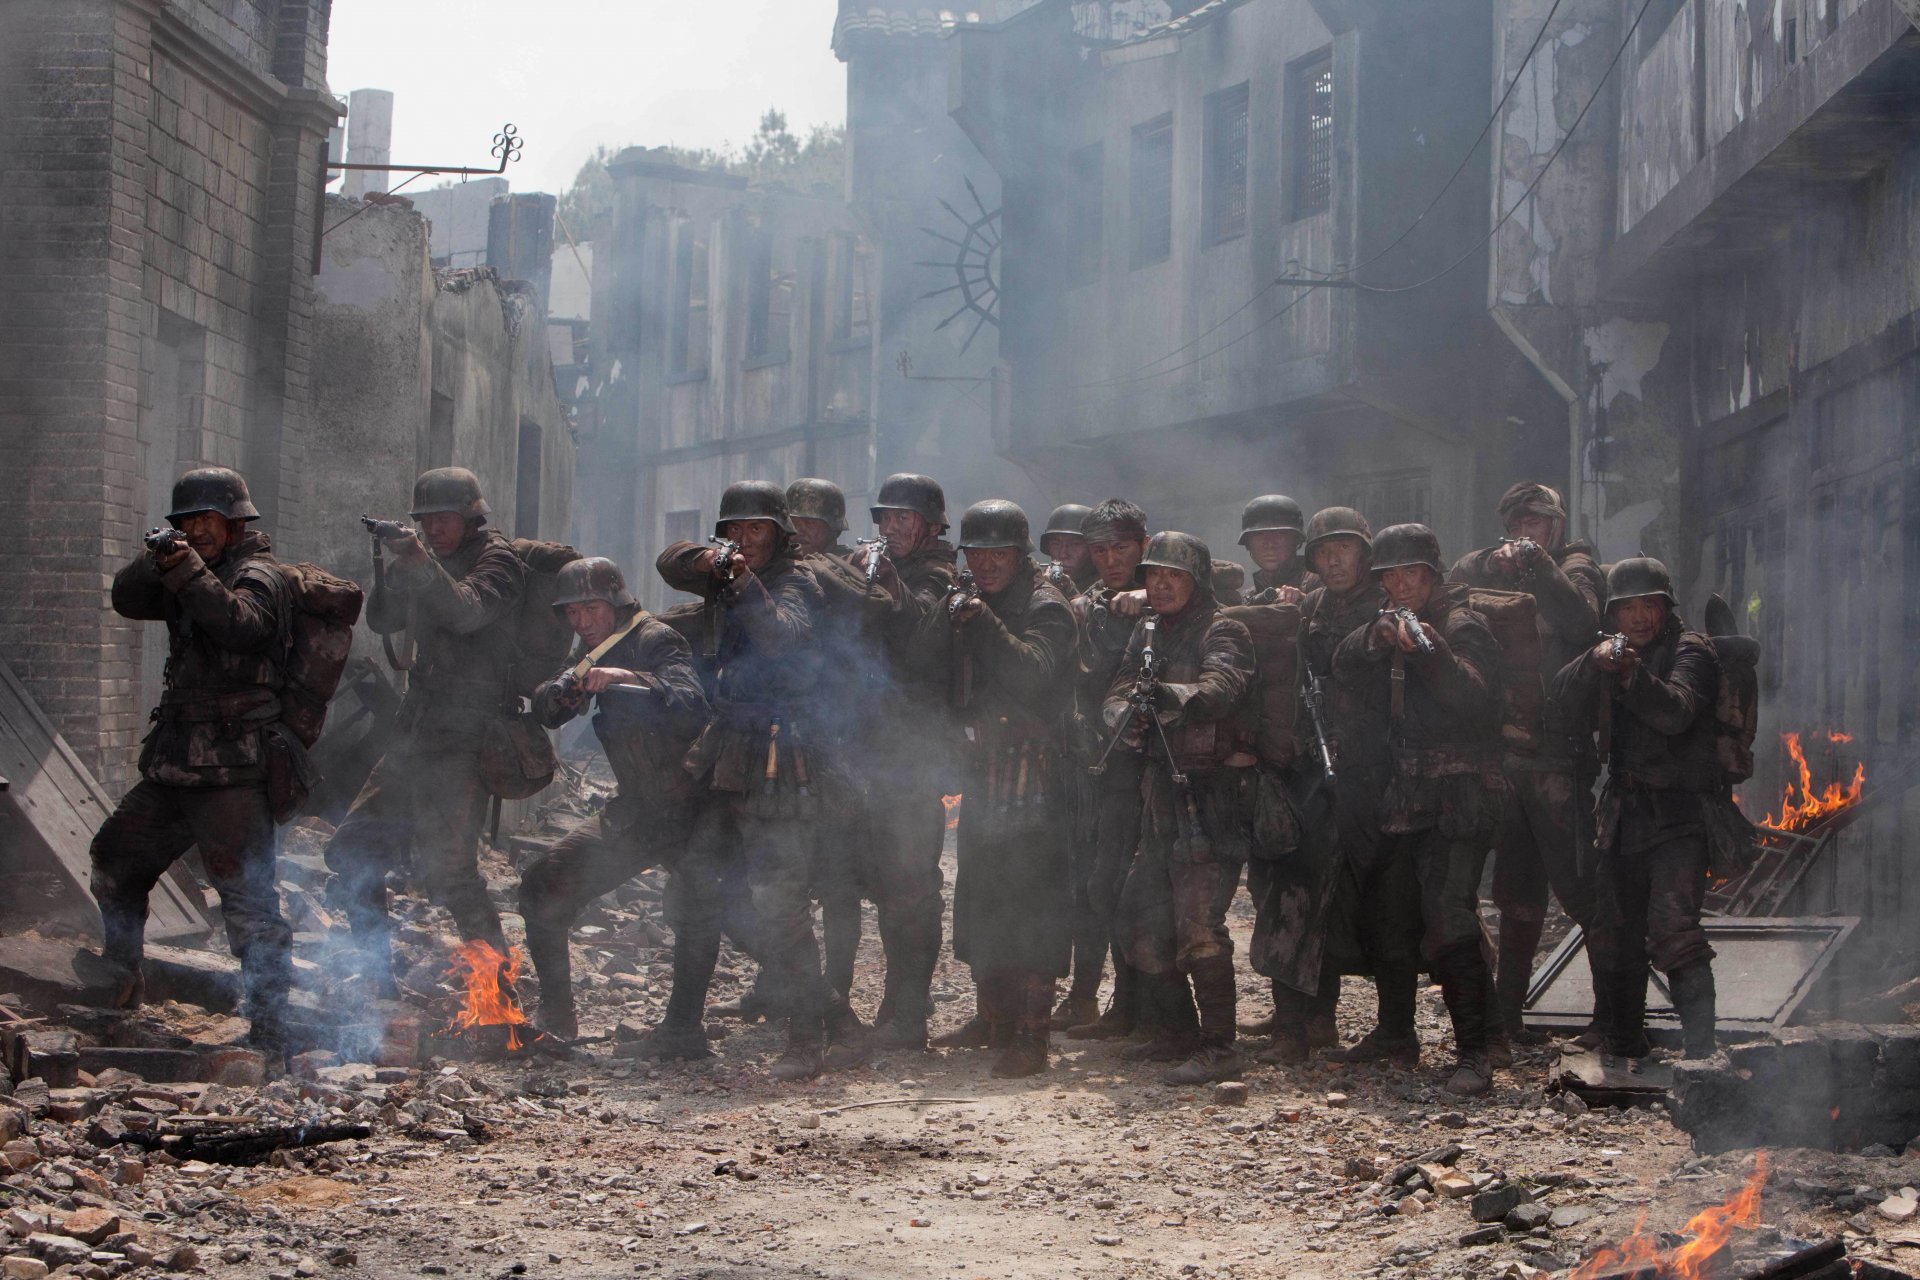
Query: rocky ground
pixel 918 1166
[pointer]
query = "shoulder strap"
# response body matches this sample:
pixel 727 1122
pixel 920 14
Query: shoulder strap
pixel 585 664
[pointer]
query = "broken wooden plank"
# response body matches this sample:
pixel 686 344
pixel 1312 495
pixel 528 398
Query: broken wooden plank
pixel 54 805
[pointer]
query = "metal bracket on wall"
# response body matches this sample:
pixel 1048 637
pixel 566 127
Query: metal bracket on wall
pixel 507 145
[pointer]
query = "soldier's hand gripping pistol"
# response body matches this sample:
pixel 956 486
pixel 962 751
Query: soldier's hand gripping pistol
pixel 165 542
pixel 385 531
pixel 1057 575
pixel 876 552
pixel 1525 553
pixel 724 551
pixel 1422 643
pixel 962 593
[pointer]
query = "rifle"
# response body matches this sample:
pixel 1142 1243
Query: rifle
pixel 725 549
pixel 382 531
pixel 164 542
pixel 1313 694
pixel 1412 624
pixel 876 550
pixel 960 690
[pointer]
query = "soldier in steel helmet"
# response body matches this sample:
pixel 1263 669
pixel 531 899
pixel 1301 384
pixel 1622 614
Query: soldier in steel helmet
pixel 1197 811
pixel 1069 568
pixel 217 741
pixel 1545 834
pixel 760 765
pixel 1650 690
pixel 1005 647
pixel 908 763
pixel 1271 531
pixel 636 675
pixel 455 588
pixel 1437 660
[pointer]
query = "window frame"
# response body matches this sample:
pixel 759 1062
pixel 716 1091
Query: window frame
pixel 1147 134
pixel 1227 109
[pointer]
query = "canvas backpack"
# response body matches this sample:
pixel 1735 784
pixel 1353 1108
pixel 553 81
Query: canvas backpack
pixel 319 638
pixel 541 637
pixel 1512 618
pixel 1736 711
pixel 1276 685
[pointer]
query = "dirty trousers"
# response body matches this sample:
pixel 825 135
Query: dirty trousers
pixel 898 867
pixel 1545 833
pixel 425 801
pixel 1649 890
pixel 753 876
pixel 1106 836
pixel 155 824
pixel 1173 907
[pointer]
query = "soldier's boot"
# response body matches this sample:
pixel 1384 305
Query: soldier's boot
pixel 1214 1057
pixel 372 932
pixel 839 940
pixel 756 1004
pixel 976 1032
pixel 805 1055
pixel 118 972
pixel 1081 1004
pixel 1025 1050
pixel 553 971
pixel 266 967
pixel 1693 993
pixel 912 956
pixel 851 1040
pixel 1393 1039
pixel 1606 995
pixel 1288 1047
pixel 1122 1010
pixel 1519 941
pixel 1323 1028
pixel 682 1034
pixel 1269 1025
pixel 1467 988
pixel 1176 1020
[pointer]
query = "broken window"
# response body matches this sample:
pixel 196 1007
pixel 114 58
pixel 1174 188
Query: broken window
pixel 1153 191
pixel 1086 221
pixel 852 290
pixel 690 311
pixel 1312 136
pixel 526 483
pixel 1226 167
pixel 769 299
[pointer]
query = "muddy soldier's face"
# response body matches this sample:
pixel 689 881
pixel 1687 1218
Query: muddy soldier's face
pixel 443 531
pixel 1340 562
pixel 209 533
pixel 1117 563
pixel 814 536
pixel 758 539
pixel 1640 619
pixel 1274 549
pixel 1537 527
pixel 904 531
pixel 1409 586
pixel 592 620
pixel 1169 591
pixel 993 568
pixel 1069 551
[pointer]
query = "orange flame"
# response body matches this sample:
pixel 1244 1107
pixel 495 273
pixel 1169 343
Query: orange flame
pixel 1710 1228
pixel 953 810
pixel 1812 807
pixel 486 979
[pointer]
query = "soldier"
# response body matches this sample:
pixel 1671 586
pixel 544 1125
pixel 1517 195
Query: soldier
pixel 1107 821
pixel 1545 832
pixel 648 707
pixel 1435 657
pixel 1070 570
pixel 908 761
pixel 1197 814
pixel 1270 531
pixel 1006 644
pixel 1652 690
pixel 758 762
pixel 455 586
pixel 207 765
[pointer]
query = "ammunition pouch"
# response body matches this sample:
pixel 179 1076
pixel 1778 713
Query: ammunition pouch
pixel 516 756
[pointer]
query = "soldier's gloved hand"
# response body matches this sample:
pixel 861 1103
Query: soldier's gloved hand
pixel 174 559
pixel 1384 634
pixel 969 611
pixel 1507 560
pixel 600 679
pixel 408 548
pixel 1288 595
pixel 1624 666
pixel 1128 604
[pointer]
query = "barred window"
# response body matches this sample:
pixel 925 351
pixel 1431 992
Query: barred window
pixel 1391 497
pixel 1313 137
pixel 1226 165
pixel 1153 191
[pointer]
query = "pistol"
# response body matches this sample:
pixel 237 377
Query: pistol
pixel 385 530
pixel 1616 647
pixel 1057 574
pixel 1412 624
pixel 961 593
pixel 1526 548
pixel 876 550
pixel 725 549
pixel 164 542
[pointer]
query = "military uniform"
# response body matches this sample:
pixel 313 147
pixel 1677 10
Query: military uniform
pixel 1547 826
pixel 1663 773
pixel 428 796
pixel 645 729
pixel 204 766
pixel 1276 513
pixel 1443 799
pixel 1196 836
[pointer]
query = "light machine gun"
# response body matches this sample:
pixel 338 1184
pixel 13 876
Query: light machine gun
pixel 1314 696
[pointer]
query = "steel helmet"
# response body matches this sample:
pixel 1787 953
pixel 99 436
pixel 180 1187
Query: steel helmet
pixel 1639 576
pixel 1180 551
pixel 1272 513
pixel 591 578
pixel 1337 522
pixel 218 489
pixel 818 500
pixel 753 500
pixel 1067 518
pixel 1401 545
pixel 921 495
pixel 994 523
pixel 453 489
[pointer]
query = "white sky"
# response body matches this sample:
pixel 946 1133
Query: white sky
pixel 572 74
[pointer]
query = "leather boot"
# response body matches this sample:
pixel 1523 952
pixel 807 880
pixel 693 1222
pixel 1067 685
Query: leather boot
pixel 1025 1051
pixel 851 1040
pixel 682 1032
pixel 1323 1029
pixel 1519 942
pixel 1624 1034
pixel 1176 1029
pixel 1467 987
pixel 1214 1057
pixel 1266 1026
pixel 1122 1010
pixel 839 940
pixel 1693 999
pixel 1393 1038
pixel 912 955
pixel 1289 1045
pixel 804 1057
pixel 756 1005
pixel 976 1032
pixel 1074 1011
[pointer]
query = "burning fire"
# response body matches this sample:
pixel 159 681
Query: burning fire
pixel 487 1000
pixel 953 810
pixel 1640 1253
pixel 1811 807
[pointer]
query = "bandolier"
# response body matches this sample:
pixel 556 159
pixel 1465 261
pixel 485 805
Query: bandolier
pixel 1198 801
pixel 1443 799
pixel 645 721
pixel 428 796
pixel 1546 833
